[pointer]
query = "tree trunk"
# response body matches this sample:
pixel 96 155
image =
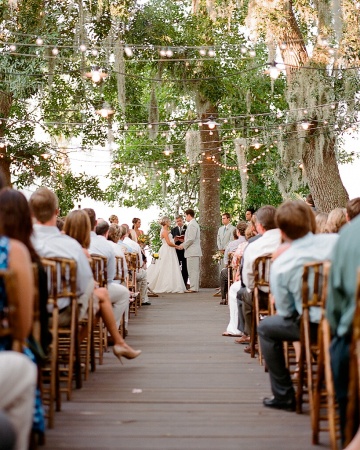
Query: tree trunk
pixel 321 169
pixel 209 198
pixel 6 100
pixel 324 179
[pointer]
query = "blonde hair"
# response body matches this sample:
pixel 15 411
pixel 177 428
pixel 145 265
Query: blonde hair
pixel 164 220
pixel 77 225
pixel 336 219
pixel 321 220
pixel 114 233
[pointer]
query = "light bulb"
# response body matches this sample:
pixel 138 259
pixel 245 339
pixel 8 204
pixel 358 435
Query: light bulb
pixel 202 52
pixel 128 51
pixel 305 125
pixel 55 51
pixel 252 53
pixel 82 48
pixel 39 41
pixel 257 145
pixel 211 53
pixel 12 47
pixel 96 76
pixel 243 50
pixel 162 52
pixel 94 52
pixel 274 72
pixel 169 53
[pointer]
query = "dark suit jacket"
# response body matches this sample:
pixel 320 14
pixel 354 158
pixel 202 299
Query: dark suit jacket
pixel 176 232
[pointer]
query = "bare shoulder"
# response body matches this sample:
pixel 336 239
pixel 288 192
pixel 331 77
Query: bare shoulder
pixel 18 249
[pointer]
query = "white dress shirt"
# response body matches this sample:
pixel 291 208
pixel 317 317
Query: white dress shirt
pixel 268 243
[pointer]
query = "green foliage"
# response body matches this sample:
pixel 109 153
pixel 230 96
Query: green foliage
pixel 70 189
pixel 154 235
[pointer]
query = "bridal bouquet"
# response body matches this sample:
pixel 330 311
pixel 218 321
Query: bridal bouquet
pixel 218 256
pixel 143 239
pixel 155 256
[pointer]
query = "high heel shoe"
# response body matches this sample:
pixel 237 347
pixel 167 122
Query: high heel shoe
pixel 127 353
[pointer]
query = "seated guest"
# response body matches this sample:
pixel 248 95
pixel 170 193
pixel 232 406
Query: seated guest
pixel 340 307
pixel 336 219
pixel 268 243
pixel 119 295
pixel 320 220
pixel 77 225
pixel 113 238
pixel 50 242
pixel 352 208
pixel 133 247
pixel 239 237
pixel 18 377
pixel 18 373
pixel 294 222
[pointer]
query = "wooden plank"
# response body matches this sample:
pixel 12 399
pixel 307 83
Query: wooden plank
pixel 194 389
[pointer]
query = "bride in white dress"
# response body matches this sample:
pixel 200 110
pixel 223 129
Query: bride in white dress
pixel 165 274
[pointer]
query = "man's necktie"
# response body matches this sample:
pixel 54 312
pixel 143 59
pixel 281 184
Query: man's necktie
pixel 225 230
pixel 180 230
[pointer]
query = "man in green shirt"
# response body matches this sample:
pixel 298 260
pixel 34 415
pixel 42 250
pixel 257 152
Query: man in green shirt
pixel 340 308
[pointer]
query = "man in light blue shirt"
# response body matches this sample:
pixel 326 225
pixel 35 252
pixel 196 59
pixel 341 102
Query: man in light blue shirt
pixel 294 221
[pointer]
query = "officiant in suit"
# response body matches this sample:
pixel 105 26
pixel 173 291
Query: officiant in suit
pixel 192 250
pixel 178 234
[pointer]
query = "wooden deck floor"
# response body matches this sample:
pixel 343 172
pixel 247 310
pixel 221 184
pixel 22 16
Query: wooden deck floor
pixel 190 389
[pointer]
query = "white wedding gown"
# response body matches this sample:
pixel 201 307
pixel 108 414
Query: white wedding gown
pixel 165 274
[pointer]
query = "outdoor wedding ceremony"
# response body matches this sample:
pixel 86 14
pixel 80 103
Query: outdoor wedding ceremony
pixel 179 224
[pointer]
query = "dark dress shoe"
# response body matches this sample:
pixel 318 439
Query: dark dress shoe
pixel 145 304
pixel 223 302
pixel 287 405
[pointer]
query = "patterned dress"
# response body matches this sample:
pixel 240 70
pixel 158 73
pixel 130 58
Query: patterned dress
pixel 5 343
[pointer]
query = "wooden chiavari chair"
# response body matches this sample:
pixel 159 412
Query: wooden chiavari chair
pixel 132 261
pixel 314 361
pixel 68 343
pixel 50 383
pixel 354 370
pixel 261 283
pixel 230 273
pixel 98 265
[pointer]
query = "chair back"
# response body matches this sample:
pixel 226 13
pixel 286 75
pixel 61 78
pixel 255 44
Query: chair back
pixel 120 269
pixel 354 370
pixel 98 265
pixel 261 283
pixel 9 317
pixel 132 261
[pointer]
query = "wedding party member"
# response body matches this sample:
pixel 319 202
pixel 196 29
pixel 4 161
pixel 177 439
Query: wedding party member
pixel 176 232
pixel 248 215
pixel 135 231
pixel 192 250
pixel 165 275
pixel 352 208
pixel 294 222
pixel 114 219
pixel 225 232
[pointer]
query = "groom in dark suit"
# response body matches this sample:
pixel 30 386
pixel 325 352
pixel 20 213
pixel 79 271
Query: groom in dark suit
pixel 178 231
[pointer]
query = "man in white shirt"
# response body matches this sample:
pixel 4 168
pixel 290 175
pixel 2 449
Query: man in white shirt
pixel 49 242
pixel 268 243
pixel 119 295
pixel 141 275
